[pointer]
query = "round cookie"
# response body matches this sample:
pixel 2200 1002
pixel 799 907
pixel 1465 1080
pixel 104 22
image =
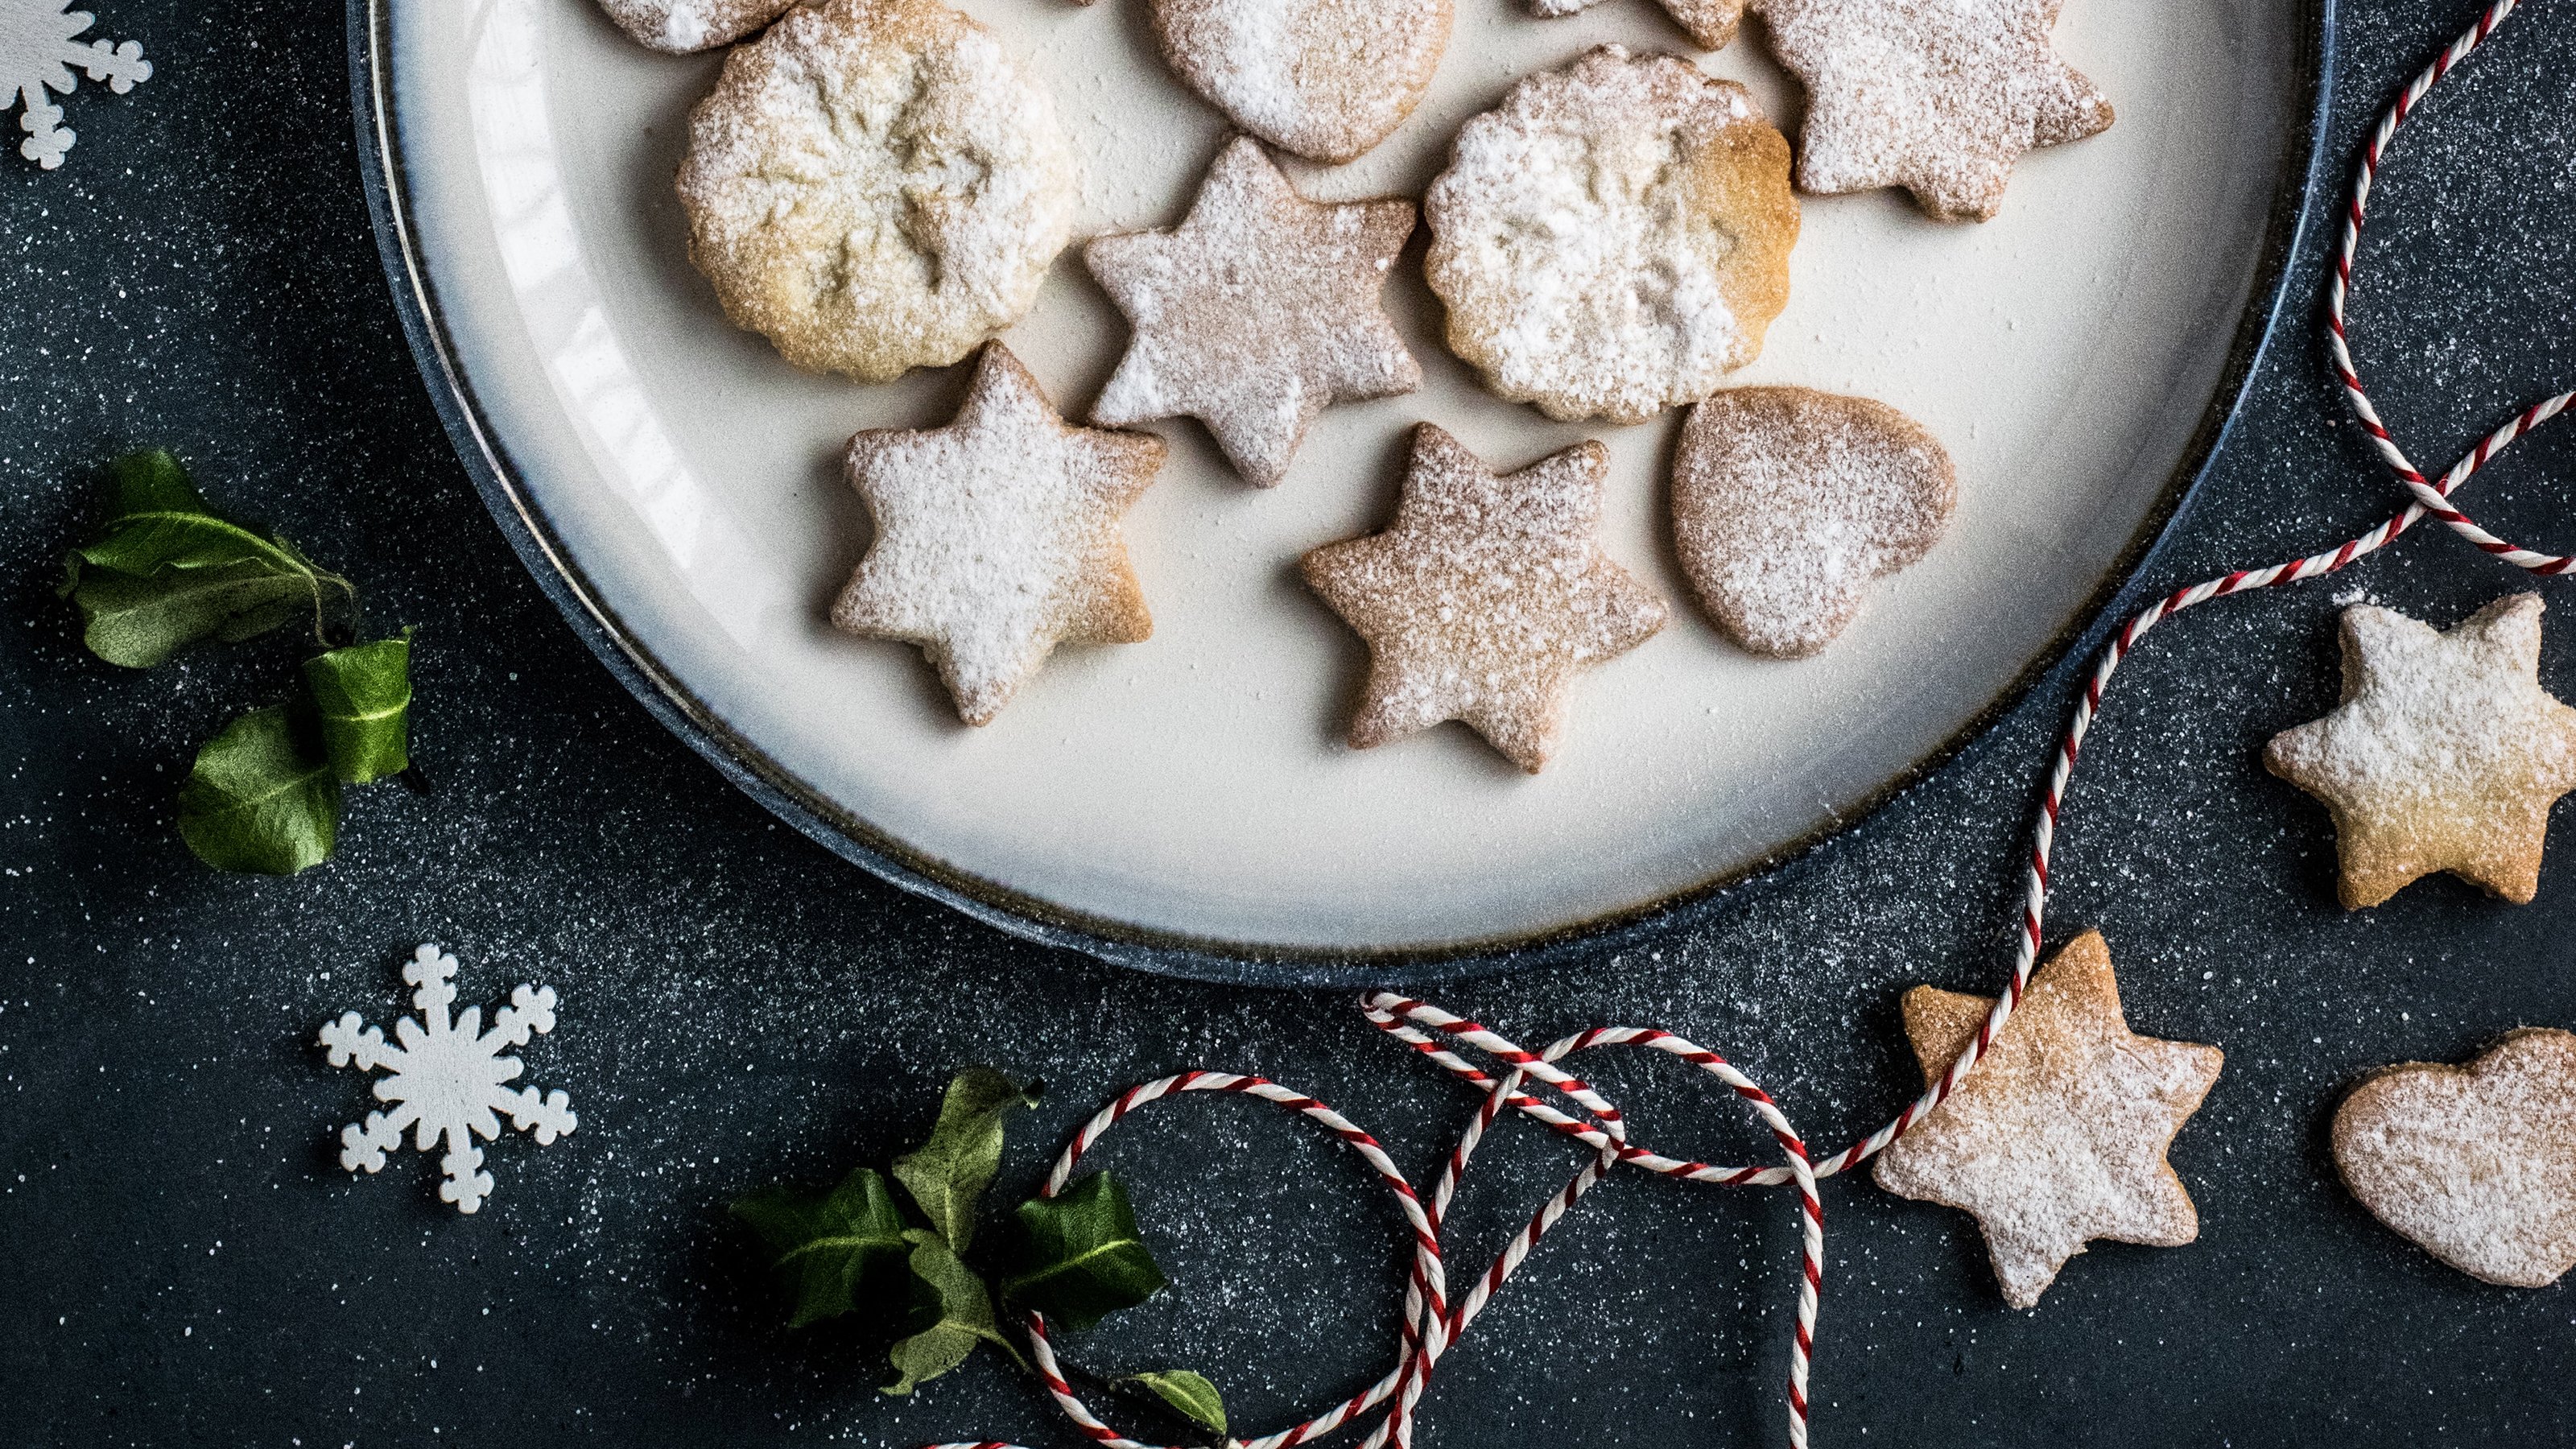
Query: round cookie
pixel 1614 237
pixel 876 186
pixel 677 27
pixel 1326 79
pixel 1788 502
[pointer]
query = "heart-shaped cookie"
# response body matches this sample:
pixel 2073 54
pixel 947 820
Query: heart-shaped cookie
pixel 1788 503
pixel 2477 1164
pixel 1326 79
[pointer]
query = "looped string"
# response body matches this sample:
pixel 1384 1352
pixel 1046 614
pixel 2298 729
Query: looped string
pixel 1430 1325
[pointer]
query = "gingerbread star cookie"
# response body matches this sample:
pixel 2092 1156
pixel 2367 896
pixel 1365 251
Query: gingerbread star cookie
pixel 1326 79
pixel 875 185
pixel 997 537
pixel 1788 503
pixel 1940 97
pixel 2058 1135
pixel 677 27
pixel 1485 599
pixel 2477 1164
pixel 1614 237
pixel 1257 313
pixel 2444 755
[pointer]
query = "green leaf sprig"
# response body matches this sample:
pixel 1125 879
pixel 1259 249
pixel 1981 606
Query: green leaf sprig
pixel 167 573
pixel 856 1250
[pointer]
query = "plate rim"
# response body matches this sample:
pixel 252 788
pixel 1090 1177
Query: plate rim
pixel 2293 215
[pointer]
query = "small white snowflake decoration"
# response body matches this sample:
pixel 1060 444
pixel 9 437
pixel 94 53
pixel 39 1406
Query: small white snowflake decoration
pixel 445 1078
pixel 39 45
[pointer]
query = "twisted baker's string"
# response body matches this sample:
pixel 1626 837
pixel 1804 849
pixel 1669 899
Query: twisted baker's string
pixel 1430 1324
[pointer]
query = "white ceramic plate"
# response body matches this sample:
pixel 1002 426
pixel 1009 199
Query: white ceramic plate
pixel 1191 793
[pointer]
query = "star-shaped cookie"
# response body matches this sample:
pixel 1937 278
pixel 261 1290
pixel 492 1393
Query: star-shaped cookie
pixel 2444 755
pixel 2058 1135
pixel 1485 599
pixel 1259 311
pixel 997 537
pixel 1938 96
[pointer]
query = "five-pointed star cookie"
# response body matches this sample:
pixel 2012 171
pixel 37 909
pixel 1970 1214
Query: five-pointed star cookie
pixel 1937 96
pixel 1257 313
pixel 1485 599
pixel 997 537
pixel 2444 755
pixel 2058 1135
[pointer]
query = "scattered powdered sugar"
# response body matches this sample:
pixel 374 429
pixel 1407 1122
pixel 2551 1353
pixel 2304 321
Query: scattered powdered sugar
pixel 1787 503
pixel 1614 237
pixel 682 26
pixel 877 186
pixel 2477 1163
pixel 1938 96
pixel 2058 1137
pixel 997 537
pixel 1486 598
pixel 2445 753
pixel 1327 79
pixel 1259 311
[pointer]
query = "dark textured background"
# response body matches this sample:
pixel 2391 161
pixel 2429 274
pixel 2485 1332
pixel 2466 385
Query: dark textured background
pixel 185 1261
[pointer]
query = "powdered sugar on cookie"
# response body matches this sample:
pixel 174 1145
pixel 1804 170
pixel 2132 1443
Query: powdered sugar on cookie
pixel 1257 312
pixel 876 186
pixel 1788 503
pixel 1326 79
pixel 681 26
pixel 1938 96
pixel 997 537
pixel 1614 238
pixel 2478 1163
pixel 2445 754
pixel 1486 599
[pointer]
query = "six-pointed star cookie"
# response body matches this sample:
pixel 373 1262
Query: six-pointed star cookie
pixel 1257 313
pixel 2444 755
pixel 2058 1135
pixel 1937 96
pixel 1485 599
pixel 997 537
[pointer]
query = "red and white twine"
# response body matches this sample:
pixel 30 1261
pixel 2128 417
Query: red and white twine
pixel 1431 1323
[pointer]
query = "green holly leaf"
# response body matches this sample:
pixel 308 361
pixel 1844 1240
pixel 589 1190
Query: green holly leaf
pixel 947 1173
pixel 842 1251
pixel 1188 1394
pixel 965 1316
pixel 166 572
pixel 1080 1258
pixel 363 696
pixel 261 797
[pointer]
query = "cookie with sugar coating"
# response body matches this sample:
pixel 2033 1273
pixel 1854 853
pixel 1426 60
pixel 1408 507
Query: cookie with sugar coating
pixel 1788 503
pixel 2475 1164
pixel 1326 79
pixel 876 185
pixel 1614 237
pixel 678 27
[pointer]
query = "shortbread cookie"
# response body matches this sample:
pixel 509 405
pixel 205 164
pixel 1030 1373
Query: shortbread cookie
pixel 2058 1135
pixel 2477 1164
pixel 1711 23
pixel 1940 97
pixel 2444 755
pixel 1787 503
pixel 1614 237
pixel 997 537
pixel 876 186
pixel 1259 312
pixel 1326 79
pixel 1485 599
pixel 677 27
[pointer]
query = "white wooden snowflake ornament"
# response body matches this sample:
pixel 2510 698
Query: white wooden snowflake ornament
pixel 39 45
pixel 445 1078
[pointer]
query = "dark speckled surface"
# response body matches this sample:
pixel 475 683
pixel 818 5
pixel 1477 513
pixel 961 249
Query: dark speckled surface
pixel 187 1263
